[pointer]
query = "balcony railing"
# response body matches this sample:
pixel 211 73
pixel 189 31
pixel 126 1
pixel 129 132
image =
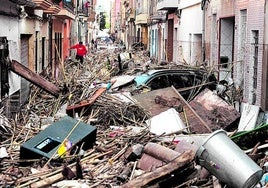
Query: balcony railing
pixel 67 4
pixel 67 10
pixel 83 11
pixel 160 16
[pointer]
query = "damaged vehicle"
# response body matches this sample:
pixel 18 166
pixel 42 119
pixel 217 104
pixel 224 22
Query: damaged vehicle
pixel 191 80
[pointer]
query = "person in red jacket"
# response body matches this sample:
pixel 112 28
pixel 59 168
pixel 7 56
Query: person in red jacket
pixel 81 51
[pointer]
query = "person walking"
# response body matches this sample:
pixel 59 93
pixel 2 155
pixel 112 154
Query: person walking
pixel 81 51
pixel 92 44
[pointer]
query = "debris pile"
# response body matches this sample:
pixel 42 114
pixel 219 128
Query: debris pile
pixel 152 139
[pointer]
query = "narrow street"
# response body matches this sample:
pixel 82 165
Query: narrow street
pixel 133 93
pixel 125 138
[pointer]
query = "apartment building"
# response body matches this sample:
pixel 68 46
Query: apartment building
pixel 236 43
pixel 228 36
pixel 37 34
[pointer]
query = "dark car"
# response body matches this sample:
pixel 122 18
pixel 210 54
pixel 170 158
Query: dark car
pixel 192 80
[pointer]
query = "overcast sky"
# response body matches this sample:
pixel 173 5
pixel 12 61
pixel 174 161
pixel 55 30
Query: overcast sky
pixel 103 5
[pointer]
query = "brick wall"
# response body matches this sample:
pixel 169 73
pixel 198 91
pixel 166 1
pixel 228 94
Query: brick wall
pixel 255 21
pixel 242 68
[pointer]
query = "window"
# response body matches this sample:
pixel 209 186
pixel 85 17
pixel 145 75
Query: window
pixel 178 81
pixel 255 57
pixel 159 82
pixel 224 61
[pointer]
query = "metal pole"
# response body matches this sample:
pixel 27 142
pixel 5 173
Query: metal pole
pixel 203 6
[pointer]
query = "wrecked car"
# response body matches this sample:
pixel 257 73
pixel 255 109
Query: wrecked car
pixel 193 80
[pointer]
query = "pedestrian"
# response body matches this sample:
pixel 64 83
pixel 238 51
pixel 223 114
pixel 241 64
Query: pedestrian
pixel 96 44
pixel 92 44
pixel 81 51
pixel 87 4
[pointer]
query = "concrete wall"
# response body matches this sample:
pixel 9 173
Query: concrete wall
pixel 10 29
pixel 190 24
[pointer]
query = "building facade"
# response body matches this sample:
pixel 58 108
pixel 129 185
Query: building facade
pixel 236 43
pixel 37 34
pixel 227 36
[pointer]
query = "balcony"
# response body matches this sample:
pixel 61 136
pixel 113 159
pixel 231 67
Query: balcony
pixel 82 12
pixel 54 9
pixel 67 10
pixel 141 19
pixel 68 5
pixel 167 4
pixel 65 14
pixel 42 4
pixel 159 16
pixel 188 3
pixel 26 3
pixel 131 17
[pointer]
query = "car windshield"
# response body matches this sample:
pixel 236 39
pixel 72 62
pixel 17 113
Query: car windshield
pixel 140 80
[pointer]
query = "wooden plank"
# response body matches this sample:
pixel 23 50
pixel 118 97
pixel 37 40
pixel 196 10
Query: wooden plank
pixel 85 103
pixel 147 100
pixel 179 163
pixel 34 78
pixel 193 111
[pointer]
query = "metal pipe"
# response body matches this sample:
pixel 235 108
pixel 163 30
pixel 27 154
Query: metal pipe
pixel 203 7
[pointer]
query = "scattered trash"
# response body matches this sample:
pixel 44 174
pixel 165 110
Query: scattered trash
pixel 249 117
pixel 166 123
pixel 64 148
pixel 113 146
pixel 59 138
pixel 264 179
pixel 3 152
pixel 217 113
pixel 154 155
pixel 71 183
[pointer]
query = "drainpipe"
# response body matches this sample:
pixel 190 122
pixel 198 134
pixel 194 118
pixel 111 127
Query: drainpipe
pixel 203 8
pixel 50 35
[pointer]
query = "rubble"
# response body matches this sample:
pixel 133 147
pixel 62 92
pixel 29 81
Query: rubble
pixel 126 153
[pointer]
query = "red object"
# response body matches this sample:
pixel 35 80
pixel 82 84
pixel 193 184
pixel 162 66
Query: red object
pixel 81 49
pixel 116 132
pixel 85 103
pixel 87 4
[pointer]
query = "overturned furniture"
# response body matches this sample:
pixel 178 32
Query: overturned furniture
pixel 47 142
